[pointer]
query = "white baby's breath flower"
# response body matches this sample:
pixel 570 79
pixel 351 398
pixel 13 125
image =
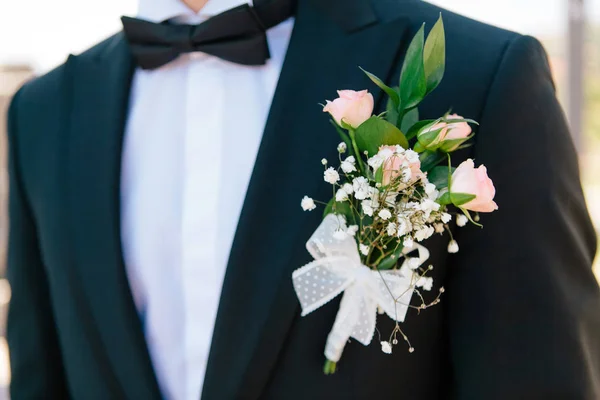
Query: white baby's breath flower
pixel 348 165
pixel 341 195
pixel 425 282
pixel 324 161
pixel 348 188
pixel 386 347
pixel 406 175
pixel 392 228
pixel 352 229
pixel 387 152
pixel 390 198
pixel 404 226
pixel 412 205
pixel 331 175
pixel 439 228
pixel 373 193
pixel 367 207
pixel 446 218
pixel 308 204
pixel 375 162
pixel 339 234
pixel 385 214
pixel 453 247
pixel 461 220
pixel 342 148
pixel 411 156
pixel 431 191
pixel 408 242
pixel 361 187
pixel 424 233
pixel 364 249
pixel 428 206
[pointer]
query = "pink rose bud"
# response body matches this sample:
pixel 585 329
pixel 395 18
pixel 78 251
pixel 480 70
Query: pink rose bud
pixel 468 179
pixel 448 131
pixel 352 107
pixel 456 130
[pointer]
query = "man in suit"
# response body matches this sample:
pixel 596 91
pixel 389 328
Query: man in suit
pixel 155 217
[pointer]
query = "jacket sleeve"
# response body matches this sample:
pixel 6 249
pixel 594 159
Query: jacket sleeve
pixel 523 302
pixel 36 364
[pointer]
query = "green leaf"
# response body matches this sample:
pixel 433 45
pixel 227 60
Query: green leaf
pixel 390 261
pixel 413 85
pixel 391 114
pixel 458 199
pixel 439 176
pixel 457 120
pixel 434 55
pixel 379 174
pixel 430 159
pixel 414 130
pixel 346 126
pixel 388 90
pixel 419 148
pixel 376 132
pixel 409 119
pixel 444 199
pixel 430 139
pixel 339 208
pixel 343 135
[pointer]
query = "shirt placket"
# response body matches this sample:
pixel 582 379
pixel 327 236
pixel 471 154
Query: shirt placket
pixel 200 209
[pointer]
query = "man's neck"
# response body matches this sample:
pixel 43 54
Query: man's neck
pixel 195 5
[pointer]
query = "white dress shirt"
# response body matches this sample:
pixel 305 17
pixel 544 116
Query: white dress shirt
pixel 191 139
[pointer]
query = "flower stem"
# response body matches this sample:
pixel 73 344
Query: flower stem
pixel 329 367
pixel 359 159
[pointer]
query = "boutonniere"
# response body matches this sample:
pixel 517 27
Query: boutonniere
pixel 393 186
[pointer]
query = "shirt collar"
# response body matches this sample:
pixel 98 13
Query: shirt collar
pixel 162 10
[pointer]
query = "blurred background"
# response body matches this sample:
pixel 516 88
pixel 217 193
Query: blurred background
pixel 37 35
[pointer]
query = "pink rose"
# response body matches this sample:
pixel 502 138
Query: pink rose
pixel 395 162
pixel 352 107
pixel 468 179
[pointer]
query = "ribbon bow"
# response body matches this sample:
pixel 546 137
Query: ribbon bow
pixel 337 268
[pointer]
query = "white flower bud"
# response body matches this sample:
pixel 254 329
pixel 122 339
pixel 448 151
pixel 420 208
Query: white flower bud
pixel 446 218
pixel 453 247
pixel 342 148
pixel 461 220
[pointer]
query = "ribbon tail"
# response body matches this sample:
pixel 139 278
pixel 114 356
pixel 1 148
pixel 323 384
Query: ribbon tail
pixel 345 320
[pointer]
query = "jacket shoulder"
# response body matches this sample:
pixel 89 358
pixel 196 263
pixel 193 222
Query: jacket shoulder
pixel 41 93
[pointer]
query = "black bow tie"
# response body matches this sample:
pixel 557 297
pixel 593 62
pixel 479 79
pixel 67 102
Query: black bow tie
pixel 237 35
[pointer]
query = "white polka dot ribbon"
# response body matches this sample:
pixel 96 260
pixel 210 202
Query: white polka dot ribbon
pixel 337 268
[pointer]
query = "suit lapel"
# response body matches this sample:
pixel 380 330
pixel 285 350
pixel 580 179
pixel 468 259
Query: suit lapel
pixel 258 303
pixel 100 92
